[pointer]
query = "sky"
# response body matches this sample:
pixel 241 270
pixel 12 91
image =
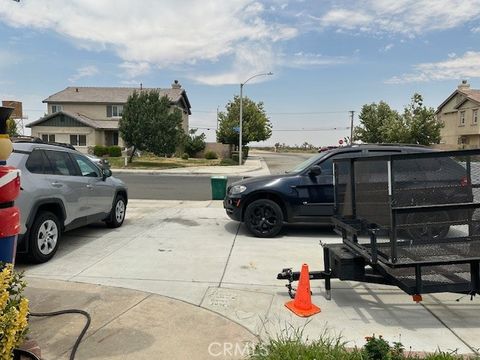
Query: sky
pixel 327 57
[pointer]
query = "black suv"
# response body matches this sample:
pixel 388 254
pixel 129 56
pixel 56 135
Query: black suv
pixel 303 195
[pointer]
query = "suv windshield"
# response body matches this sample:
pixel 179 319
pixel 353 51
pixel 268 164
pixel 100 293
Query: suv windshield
pixel 307 163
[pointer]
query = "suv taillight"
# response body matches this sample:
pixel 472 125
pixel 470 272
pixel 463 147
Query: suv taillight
pixel 464 181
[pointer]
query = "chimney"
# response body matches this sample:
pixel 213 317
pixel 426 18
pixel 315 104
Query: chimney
pixel 464 85
pixel 176 85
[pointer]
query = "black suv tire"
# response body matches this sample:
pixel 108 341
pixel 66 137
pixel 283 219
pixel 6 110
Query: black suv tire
pixel 264 218
pixel 117 214
pixel 44 237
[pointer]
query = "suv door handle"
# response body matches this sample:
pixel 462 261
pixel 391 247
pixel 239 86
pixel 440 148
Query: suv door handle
pixel 89 186
pixel 57 184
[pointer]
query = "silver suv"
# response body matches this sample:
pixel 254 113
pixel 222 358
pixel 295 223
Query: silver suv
pixel 61 189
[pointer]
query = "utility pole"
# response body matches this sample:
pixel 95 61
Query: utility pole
pixel 352 113
pixel 217 118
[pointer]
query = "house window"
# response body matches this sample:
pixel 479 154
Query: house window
pixel 114 110
pixel 462 118
pixel 78 140
pixel 56 108
pixel 48 137
pixel 475 117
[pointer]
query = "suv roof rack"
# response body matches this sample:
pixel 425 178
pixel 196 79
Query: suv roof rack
pixel 36 140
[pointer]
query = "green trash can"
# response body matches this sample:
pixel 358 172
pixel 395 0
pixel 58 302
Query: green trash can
pixel 219 187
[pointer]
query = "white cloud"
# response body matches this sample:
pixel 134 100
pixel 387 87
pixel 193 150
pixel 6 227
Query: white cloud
pixel 132 70
pixel 387 47
pixel 408 17
pixel 153 33
pixel 476 30
pixel 249 59
pixel 452 55
pixel 8 58
pixel 466 66
pixel 305 60
pixel 262 60
pixel 82 72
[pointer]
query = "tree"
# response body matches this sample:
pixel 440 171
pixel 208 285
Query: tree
pixel 149 124
pixel 381 124
pixel 256 125
pixel 194 143
pixel 12 129
pixel 423 128
pixel 374 121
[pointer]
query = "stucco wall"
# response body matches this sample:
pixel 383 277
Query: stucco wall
pixel 453 129
pixel 63 134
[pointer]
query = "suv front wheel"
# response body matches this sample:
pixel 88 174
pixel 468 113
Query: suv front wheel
pixel 117 214
pixel 264 218
pixel 44 237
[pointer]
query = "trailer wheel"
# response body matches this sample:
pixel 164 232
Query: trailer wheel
pixel 420 230
pixel 264 218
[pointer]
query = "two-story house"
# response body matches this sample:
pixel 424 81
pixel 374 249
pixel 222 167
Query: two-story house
pixel 88 116
pixel 460 114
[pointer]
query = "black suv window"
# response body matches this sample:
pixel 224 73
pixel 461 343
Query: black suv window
pixel 37 163
pixel 61 163
pixel 86 167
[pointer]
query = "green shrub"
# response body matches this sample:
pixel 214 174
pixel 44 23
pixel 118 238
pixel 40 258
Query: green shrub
pixel 210 155
pixel 99 150
pixel 114 151
pixel 185 156
pixel 194 143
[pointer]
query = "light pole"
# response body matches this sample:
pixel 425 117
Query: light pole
pixel 240 152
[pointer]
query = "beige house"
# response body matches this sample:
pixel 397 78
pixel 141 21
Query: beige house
pixel 460 114
pixel 88 116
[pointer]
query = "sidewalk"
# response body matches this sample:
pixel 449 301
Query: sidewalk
pixel 128 324
pixel 253 166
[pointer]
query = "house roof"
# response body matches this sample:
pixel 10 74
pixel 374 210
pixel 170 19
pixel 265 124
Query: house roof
pixel 475 97
pixel 114 95
pixel 470 94
pixel 96 124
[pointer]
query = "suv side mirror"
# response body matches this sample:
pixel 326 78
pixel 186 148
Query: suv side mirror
pixel 106 173
pixel 315 170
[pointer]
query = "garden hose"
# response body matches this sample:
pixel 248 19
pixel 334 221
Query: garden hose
pixel 68 311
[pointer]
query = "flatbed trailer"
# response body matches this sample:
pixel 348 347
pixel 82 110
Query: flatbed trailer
pixel 406 220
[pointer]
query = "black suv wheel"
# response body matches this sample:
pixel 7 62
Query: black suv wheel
pixel 44 237
pixel 264 218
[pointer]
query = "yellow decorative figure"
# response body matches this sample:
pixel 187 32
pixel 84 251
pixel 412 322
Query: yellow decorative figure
pixel 5 143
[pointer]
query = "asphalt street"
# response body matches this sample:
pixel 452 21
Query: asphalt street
pixel 196 187
pixel 169 187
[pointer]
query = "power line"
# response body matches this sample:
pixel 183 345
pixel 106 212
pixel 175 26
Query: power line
pixel 284 113
pixel 274 130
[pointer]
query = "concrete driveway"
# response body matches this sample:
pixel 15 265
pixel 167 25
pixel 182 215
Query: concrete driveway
pixel 191 251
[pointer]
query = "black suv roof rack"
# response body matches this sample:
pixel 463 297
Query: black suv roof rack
pixel 36 140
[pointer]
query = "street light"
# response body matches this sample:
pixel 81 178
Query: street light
pixel 240 153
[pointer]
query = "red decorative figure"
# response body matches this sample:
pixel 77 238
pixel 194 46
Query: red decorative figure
pixel 9 190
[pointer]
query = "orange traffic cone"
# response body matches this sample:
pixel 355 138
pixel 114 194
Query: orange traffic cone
pixel 302 304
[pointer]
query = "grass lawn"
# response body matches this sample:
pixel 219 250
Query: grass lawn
pixel 155 162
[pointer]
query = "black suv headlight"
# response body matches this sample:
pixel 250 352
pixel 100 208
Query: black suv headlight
pixel 237 189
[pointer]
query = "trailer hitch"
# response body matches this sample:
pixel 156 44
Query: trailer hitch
pixel 291 276
pixel 287 274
